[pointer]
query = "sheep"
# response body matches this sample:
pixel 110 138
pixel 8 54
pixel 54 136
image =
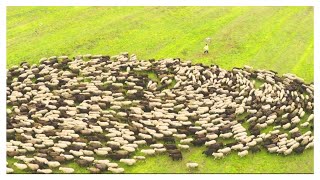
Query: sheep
pixel 295 145
pixel 179 136
pixel 273 149
pixel 53 164
pixel 286 126
pixel 87 158
pixel 33 167
pixel 101 152
pixel 305 124
pixel 21 158
pixel 76 153
pixel 252 143
pixel 100 167
pixel 217 155
pixel 40 159
pixel 71 122
pixel 116 170
pixel 139 157
pixel 237 147
pixel 192 165
pixel 112 165
pixel 20 166
pixel 44 171
pixel 148 151
pixel 160 150
pixel 128 161
pixel 87 152
pixel 243 153
pixel 9 170
pixel 104 161
pixel 128 148
pixel 226 135
pixel 310 145
pixel 288 151
pixel 310 118
pixel 296 129
pixel 305 140
pixel 208 143
pixel 186 141
pixel 225 150
pixel 175 154
pixel 156 145
pixel 212 136
pixel 183 146
pixel 67 156
pixel 66 170
pixel 93 170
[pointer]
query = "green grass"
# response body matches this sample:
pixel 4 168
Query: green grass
pixel 275 38
pixel 261 162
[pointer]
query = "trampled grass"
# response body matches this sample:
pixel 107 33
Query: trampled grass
pixel 275 38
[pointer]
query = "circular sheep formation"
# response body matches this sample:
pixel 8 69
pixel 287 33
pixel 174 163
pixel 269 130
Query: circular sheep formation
pixel 95 109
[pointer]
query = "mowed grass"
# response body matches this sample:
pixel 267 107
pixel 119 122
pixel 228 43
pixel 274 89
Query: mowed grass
pixel 275 38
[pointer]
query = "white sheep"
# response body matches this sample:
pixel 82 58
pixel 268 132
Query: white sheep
pixel 310 118
pixel 148 151
pixel 179 136
pixel 20 166
pixel 66 170
pixel 286 126
pixel 294 130
pixel 192 165
pixel 212 136
pixel 186 141
pixel 273 149
pixel 156 145
pixel 100 161
pixel 9 170
pixel 217 155
pixel 116 170
pixel 226 135
pixel 87 152
pixel 282 149
pixel 44 171
pixel 183 146
pixel 101 152
pixel 243 153
pixel 114 165
pixel 53 164
pixel 87 158
pixel 33 167
pixel 295 145
pixel 237 147
pixel 252 143
pixel 310 145
pixel 208 143
pixel 225 150
pixel 128 161
pixel 40 159
pixel 76 153
pixel 68 156
pixel 288 151
pixel 305 124
pixel 160 150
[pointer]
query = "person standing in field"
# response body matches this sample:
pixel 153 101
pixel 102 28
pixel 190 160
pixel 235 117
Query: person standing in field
pixel 206 49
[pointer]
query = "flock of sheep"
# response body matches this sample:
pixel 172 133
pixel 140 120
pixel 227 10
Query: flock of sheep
pixel 103 113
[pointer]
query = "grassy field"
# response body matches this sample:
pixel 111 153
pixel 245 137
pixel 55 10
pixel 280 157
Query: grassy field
pixel 277 38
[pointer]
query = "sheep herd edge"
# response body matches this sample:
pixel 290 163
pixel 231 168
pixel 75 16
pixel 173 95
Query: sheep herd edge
pixel 101 112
